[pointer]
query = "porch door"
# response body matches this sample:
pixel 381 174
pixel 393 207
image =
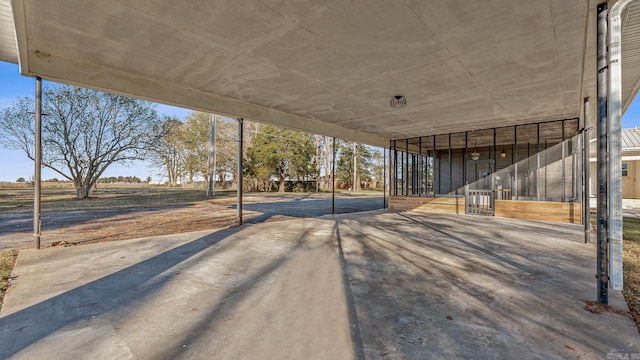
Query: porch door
pixel 479 187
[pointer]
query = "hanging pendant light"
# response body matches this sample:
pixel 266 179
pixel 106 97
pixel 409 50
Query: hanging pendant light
pixel 398 101
pixel 503 154
pixel 475 155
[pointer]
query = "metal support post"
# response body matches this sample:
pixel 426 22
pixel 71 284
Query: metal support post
pixel 437 177
pixel 355 169
pixel 211 189
pixel 405 172
pixel 562 156
pixel 586 199
pixel 602 261
pixel 515 163
pixel 393 169
pixel 614 107
pixel 495 148
pixel 333 178
pixel 37 181
pixel 384 178
pixel 426 174
pixel 450 167
pixel 419 172
pixel 464 159
pixel 538 163
pixel 240 141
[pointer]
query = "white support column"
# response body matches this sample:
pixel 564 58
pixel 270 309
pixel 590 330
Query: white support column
pixel 614 129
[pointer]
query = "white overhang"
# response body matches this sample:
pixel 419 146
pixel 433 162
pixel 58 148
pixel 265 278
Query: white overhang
pixel 329 67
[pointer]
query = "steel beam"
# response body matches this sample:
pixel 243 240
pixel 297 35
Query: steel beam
pixel 240 168
pixel 384 178
pixel 564 170
pixel 333 180
pixel 37 181
pixel 602 262
pixel 515 163
pixel 585 170
pixel 211 189
pixel 450 166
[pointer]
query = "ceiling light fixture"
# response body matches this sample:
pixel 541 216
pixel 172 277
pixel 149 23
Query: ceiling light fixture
pixel 398 101
pixel 475 155
pixel 503 154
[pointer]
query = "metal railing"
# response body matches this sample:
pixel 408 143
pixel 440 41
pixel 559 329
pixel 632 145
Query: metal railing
pixel 479 202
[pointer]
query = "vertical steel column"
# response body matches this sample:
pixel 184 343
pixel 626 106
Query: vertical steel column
pixel 439 177
pixel 602 262
pixel 450 167
pixel 495 147
pixel 384 178
pixel 563 155
pixel 211 186
pixel 37 181
pixel 355 169
pixel 515 162
pixel 419 167
pixel 333 178
pixel 429 165
pixel 392 169
pixel 406 167
pixel 538 164
pixel 585 174
pixel 464 158
pixel 615 146
pixel 546 172
pixel 240 141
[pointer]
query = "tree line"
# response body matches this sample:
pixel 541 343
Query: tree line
pixel 86 131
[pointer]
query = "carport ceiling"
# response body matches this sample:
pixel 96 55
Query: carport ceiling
pixel 329 67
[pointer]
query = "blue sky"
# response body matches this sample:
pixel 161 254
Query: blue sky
pixel 14 164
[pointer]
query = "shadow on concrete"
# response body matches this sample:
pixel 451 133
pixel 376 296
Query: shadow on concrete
pixel 125 297
pixel 354 324
pixel 304 207
pixel 424 284
pixel 120 289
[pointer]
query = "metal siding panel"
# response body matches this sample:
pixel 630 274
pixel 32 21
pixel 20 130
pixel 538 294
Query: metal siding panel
pixel 8 48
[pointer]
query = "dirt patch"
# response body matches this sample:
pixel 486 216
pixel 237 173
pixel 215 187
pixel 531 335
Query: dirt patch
pixel 598 308
pixel 99 220
pixel 7 260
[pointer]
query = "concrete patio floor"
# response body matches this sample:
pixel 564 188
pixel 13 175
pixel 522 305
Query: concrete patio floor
pixel 390 285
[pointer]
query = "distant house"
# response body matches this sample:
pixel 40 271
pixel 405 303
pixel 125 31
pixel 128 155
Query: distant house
pixel 630 164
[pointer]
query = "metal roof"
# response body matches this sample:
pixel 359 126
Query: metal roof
pixel 631 138
pixel 8 47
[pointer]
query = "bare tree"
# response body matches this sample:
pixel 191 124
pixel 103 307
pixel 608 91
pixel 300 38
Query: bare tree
pixel 83 132
pixel 164 154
